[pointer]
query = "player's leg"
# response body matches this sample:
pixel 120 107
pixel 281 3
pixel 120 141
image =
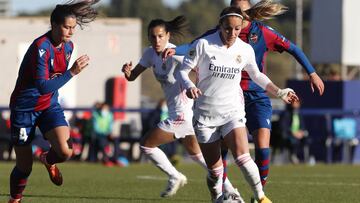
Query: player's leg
pixel 149 146
pixel 237 142
pixel 60 151
pixel 22 133
pixel 192 147
pixel 262 152
pixel 258 114
pixel 21 172
pixel 211 152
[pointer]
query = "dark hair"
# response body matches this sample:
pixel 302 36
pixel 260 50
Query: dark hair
pixel 82 11
pixel 228 10
pixel 177 27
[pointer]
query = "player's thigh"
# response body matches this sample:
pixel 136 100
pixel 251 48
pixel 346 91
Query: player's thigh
pixel 191 144
pixel 59 138
pixel 156 137
pixel 237 141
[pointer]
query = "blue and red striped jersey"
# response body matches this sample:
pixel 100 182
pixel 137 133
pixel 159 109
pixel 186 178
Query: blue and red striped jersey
pixel 42 72
pixel 262 38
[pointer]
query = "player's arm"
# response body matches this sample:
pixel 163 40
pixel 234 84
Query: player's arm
pixel 287 95
pixel 43 82
pixel 300 57
pixel 277 42
pixel 183 49
pixel 130 73
pixel 190 62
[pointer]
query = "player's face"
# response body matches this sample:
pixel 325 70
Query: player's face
pixel 63 32
pixel 230 29
pixel 158 38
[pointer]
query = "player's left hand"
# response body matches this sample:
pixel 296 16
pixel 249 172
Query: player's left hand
pixel 316 82
pixel 288 95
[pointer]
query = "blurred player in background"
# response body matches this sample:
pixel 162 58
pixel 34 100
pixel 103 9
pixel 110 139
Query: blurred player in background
pixel 34 101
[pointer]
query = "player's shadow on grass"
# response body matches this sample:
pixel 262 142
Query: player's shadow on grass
pixel 108 198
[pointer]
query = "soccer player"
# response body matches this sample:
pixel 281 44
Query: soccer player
pixel 179 123
pixel 34 101
pixel 257 104
pixel 219 105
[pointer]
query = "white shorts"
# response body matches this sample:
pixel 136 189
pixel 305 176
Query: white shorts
pixel 209 134
pixel 180 128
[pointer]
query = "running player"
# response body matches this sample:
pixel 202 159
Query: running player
pixel 34 101
pixel 257 104
pixel 219 111
pixel 179 123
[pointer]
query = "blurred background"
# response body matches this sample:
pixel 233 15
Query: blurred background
pixel 325 29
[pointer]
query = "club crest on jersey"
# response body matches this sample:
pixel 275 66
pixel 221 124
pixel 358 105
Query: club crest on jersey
pixel 253 38
pixel 41 52
pixel 238 59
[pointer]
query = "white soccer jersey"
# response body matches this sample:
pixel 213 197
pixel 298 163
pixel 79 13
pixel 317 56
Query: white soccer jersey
pixel 219 74
pixel 167 73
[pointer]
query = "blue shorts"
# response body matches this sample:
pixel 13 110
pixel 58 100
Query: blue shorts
pixel 24 123
pixel 258 110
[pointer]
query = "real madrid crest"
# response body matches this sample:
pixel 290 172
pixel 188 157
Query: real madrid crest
pixel 238 59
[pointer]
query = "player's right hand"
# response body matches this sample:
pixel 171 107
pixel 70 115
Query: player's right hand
pixel 79 64
pixel 126 69
pixel 168 52
pixel 193 93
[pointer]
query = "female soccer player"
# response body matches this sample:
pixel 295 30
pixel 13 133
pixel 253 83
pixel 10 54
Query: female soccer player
pixel 34 101
pixel 257 104
pixel 219 111
pixel 179 123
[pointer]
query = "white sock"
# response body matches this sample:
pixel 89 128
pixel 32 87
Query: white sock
pixel 198 158
pixel 214 181
pixel 158 157
pixel 251 174
pixel 228 186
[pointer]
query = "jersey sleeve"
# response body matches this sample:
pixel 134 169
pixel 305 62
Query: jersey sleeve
pixel 43 83
pixel 191 60
pixel 252 69
pixel 146 58
pixel 274 41
pixel 300 57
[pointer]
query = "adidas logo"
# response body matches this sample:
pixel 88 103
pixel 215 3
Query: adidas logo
pixel 213 58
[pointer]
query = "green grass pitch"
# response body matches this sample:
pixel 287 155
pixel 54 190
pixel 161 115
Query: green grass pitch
pixel 85 182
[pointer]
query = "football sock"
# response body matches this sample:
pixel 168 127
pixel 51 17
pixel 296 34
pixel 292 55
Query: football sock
pixel 214 181
pixel 18 180
pixel 262 160
pixel 159 158
pixel 251 174
pixel 198 158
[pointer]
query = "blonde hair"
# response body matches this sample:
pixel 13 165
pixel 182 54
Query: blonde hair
pixel 265 9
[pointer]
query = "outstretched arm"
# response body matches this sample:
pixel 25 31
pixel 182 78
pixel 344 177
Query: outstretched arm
pixel 132 74
pixel 315 80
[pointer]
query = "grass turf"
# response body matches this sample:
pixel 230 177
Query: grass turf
pixel 85 182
